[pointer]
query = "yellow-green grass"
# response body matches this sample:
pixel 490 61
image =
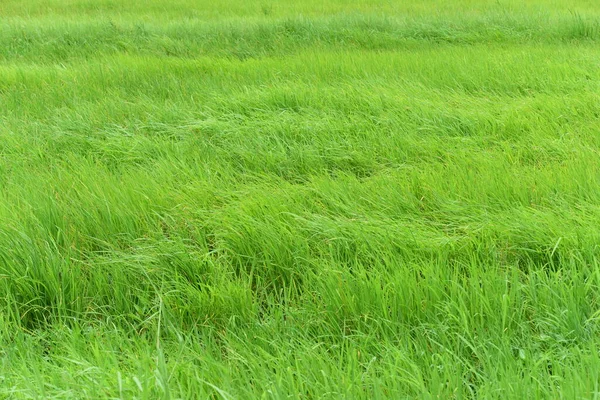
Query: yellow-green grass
pixel 311 199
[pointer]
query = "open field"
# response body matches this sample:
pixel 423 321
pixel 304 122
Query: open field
pixel 321 199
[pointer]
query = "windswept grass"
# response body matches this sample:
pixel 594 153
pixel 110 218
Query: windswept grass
pixel 307 200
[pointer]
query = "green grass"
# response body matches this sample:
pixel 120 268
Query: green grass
pixel 320 199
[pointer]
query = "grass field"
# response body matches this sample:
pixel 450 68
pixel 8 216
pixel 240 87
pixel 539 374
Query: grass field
pixel 304 199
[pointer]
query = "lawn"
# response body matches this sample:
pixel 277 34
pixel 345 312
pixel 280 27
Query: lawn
pixel 312 199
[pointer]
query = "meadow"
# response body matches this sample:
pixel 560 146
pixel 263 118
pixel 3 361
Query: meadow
pixel 311 199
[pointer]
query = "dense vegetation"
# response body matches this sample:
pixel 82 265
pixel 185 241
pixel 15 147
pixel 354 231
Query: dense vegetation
pixel 320 199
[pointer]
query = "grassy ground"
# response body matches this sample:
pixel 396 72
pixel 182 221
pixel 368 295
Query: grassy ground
pixel 339 199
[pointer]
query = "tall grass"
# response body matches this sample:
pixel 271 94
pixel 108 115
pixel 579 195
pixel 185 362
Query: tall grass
pixel 260 200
